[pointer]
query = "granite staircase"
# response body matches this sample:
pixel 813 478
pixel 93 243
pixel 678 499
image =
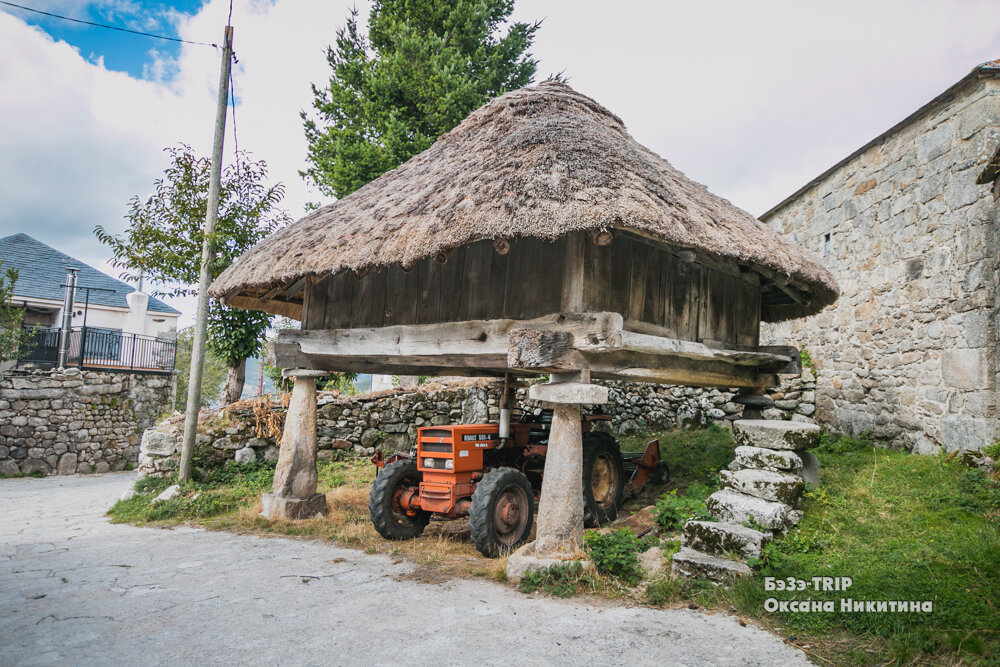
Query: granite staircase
pixel 762 494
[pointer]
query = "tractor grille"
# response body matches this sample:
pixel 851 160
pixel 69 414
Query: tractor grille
pixel 437 433
pixel 435 447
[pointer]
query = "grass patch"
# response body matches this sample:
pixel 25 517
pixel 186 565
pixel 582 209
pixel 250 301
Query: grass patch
pixel 903 527
pixel 694 457
pixel 562 580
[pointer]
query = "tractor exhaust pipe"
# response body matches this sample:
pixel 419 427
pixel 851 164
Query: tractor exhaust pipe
pixel 504 423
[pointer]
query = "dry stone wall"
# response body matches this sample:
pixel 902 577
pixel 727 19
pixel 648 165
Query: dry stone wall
pixel 908 353
pixel 389 420
pixel 64 422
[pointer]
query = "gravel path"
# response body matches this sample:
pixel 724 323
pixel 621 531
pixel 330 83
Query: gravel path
pixel 75 589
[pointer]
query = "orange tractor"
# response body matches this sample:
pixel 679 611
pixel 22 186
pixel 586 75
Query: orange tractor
pixel 470 470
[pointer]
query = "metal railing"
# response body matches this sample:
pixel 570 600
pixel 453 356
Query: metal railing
pixel 101 349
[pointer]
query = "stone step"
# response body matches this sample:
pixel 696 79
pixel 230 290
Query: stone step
pixel 775 434
pixel 719 538
pixel 781 487
pixel 739 508
pixel 698 565
pixel 767 459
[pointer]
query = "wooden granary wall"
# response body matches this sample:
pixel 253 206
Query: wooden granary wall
pixel 657 289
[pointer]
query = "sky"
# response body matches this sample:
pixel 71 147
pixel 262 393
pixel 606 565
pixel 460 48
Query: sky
pixel 752 99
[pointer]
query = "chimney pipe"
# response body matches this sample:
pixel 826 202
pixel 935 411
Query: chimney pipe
pixel 67 322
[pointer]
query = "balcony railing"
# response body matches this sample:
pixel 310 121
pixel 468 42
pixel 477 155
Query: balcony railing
pixel 101 349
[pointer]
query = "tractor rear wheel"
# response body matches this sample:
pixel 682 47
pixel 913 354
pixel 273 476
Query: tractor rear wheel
pixel 389 518
pixel 603 479
pixel 503 508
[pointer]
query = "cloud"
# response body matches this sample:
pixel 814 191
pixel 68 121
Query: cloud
pixel 751 99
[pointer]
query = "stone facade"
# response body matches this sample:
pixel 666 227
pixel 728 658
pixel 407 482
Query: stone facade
pixel 389 419
pixel 908 353
pixel 64 422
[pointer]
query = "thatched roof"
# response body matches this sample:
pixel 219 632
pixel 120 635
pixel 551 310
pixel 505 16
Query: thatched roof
pixel 542 161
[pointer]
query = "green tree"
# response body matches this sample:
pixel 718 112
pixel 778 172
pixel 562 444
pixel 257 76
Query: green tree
pixel 12 334
pixel 211 379
pixel 342 382
pixel 421 69
pixel 163 244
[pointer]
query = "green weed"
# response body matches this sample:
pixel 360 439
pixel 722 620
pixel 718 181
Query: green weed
pixel 562 580
pixel 616 554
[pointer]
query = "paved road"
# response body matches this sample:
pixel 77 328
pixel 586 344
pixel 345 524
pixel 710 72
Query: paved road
pixel 75 589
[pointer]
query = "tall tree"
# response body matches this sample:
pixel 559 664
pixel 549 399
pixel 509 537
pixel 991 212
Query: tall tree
pixel 212 377
pixel 423 67
pixel 163 244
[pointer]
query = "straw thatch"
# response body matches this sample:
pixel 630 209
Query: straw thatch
pixel 541 161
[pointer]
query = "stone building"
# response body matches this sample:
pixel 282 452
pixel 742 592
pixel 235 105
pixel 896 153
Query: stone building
pixel 908 225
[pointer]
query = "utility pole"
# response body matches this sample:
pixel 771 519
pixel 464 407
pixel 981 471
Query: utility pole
pixel 207 254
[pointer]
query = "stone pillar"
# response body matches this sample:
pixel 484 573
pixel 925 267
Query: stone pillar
pixel 560 508
pixel 294 487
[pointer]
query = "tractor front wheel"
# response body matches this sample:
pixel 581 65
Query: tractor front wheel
pixel 502 511
pixel 389 518
pixel 603 480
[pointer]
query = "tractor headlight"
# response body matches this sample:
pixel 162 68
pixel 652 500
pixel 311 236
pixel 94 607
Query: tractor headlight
pixel 449 464
pixel 428 463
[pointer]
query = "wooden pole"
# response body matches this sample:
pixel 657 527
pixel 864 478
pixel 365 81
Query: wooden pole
pixel 207 253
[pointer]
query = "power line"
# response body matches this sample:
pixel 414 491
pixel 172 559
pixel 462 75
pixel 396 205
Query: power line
pixel 109 27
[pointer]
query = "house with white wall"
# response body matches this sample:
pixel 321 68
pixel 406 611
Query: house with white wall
pixel 108 310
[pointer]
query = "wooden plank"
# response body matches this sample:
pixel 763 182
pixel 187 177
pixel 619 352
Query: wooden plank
pixel 428 291
pixel 400 296
pixel 453 281
pixel 368 300
pixel 685 292
pixel 451 338
pixel 654 302
pixel 715 321
pixel 638 279
pixel 746 312
pixel 339 295
pixel 597 277
pixel 574 269
pixel 531 287
pixel 541 349
pixel 485 276
pixel 314 304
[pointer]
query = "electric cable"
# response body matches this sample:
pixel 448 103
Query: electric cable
pixel 109 27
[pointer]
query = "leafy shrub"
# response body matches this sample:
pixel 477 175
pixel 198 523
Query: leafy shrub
pixel 561 580
pixel 616 554
pixel 672 511
pixel 993 451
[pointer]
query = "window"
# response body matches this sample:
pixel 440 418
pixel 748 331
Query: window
pixel 827 243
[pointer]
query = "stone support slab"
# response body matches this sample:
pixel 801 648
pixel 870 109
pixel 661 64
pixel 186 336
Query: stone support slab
pixel 775 434
pixel 569 393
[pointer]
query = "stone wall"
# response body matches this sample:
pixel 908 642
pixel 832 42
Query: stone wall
pixel 908 353
pixel 71 421
pixel 389 419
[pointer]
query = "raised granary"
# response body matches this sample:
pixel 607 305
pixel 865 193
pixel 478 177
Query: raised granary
pixel 536 238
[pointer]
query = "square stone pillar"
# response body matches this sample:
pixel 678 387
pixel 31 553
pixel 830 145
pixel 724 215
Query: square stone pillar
pixel 295 476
